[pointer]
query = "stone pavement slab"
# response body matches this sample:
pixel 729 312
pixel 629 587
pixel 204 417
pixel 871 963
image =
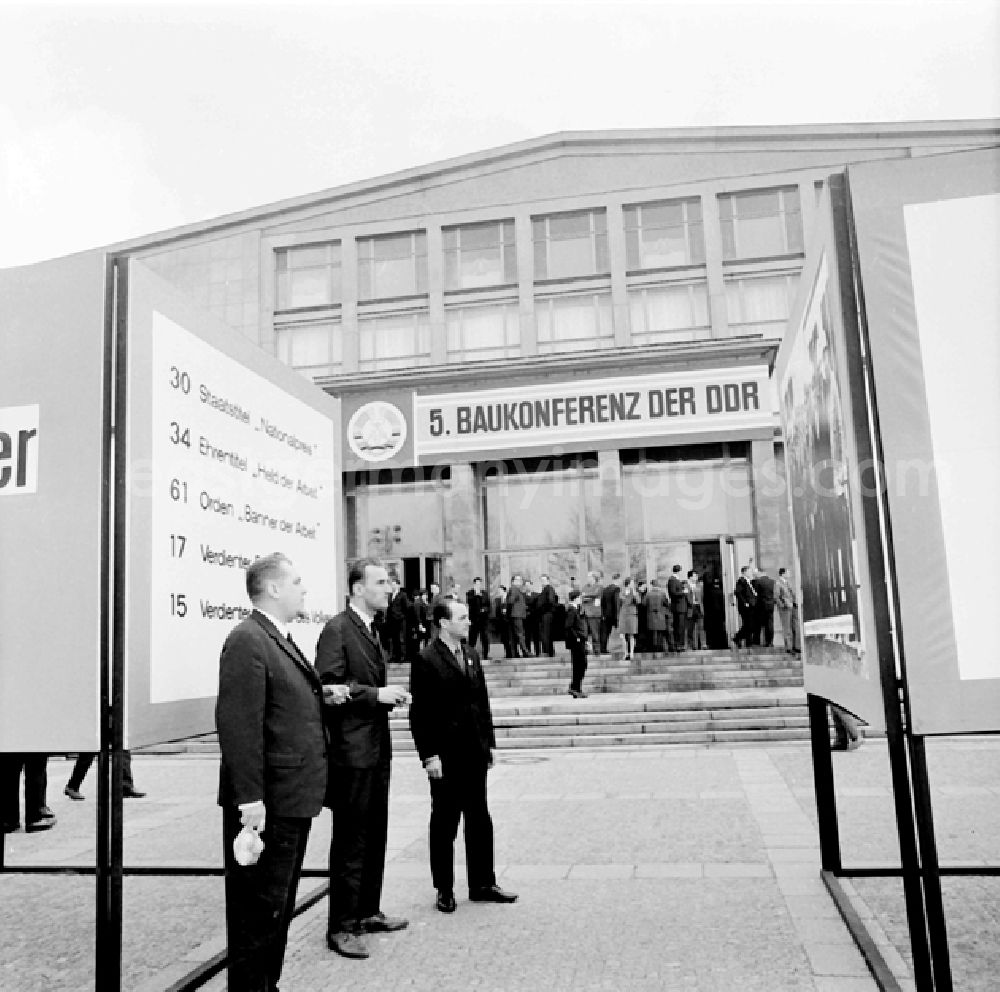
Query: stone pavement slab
pixel 653 868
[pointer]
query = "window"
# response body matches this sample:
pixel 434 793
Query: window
pixel 478 255
pixel 760 304
pixel 394 341
pixel 658 235
pixel 571 244
pixel 310 346
pixel 308 276
pixel 392 266
pixel 574 323
pixel 542 502
pixel 761 224
pixel 484 332
pixel 669 313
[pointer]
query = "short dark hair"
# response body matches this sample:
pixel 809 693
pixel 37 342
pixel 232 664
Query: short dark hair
pixel 781 571
pixel 693 571
pixel 574 594
pixel 477 579
pixel 356 573
pixel 261 571
pixel 442 609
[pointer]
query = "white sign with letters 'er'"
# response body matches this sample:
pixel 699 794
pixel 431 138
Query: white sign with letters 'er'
pixel 19 450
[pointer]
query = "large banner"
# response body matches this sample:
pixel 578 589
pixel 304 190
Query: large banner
pixel 823 471
pixel 231 455
pixel 421 428
pixel 52 380
pixel 928 243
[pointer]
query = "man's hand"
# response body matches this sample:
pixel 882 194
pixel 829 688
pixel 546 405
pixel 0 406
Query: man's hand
pixel 393 695
pixel 252 815
pixel 334 695
pixel 433 767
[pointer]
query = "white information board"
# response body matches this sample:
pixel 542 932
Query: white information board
pixel 232 456
pixel 961 394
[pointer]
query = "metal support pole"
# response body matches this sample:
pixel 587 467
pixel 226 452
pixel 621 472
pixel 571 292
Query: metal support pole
pixel 936 925
pixel 826 796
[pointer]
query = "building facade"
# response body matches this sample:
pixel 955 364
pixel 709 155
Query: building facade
pixel 554 357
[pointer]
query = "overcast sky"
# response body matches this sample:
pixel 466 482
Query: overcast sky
pixel 121 120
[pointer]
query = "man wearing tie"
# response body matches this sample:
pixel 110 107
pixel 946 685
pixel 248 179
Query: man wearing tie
pixel 452 729
pixel 269 716
pixel 349 653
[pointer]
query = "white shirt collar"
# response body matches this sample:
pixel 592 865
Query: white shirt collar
pixel 282 627
pixel 365 618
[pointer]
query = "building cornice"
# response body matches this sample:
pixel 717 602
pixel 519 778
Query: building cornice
pixel 750 350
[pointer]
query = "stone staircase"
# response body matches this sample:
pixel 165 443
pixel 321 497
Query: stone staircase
pixel 693 698
pixel 697 697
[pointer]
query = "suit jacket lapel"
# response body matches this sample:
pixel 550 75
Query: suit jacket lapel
pixel 289 649
pixel 448 659
pixel 375 660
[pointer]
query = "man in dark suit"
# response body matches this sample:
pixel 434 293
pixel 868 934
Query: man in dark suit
pixel 348 653
pixel 546 605
pixel 478 602
pixel 680 602
pixel 397 614
pixel 452 729
pixel 577 633
pixel 500 624
pixel 763 586
pixel 610 599
pixel 517 610
pixel 269 716
pixel 532 627
pixel 746 603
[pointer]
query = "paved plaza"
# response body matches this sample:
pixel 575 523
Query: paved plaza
pixel 638 869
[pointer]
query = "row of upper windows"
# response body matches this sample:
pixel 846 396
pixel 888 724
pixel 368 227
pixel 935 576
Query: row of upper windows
pixel 668 233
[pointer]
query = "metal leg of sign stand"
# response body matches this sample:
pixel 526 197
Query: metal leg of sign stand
pixel 940 955
pixel 826 797
pixel 108 965
pixel 909 856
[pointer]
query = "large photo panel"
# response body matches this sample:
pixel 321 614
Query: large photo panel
pixel 52 438
pixel 928 241
pixel 824 480
pixel 231 455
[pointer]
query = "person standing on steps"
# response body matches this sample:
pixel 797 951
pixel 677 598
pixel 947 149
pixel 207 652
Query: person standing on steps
pixel 576 640
pixel 628 615
pixel 547 602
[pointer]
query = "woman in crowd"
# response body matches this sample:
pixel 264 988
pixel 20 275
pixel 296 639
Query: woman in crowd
pixel 628 615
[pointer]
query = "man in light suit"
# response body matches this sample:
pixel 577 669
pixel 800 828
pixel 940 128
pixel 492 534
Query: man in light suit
pixel 349 653
pixel 269 716
pixel 452 729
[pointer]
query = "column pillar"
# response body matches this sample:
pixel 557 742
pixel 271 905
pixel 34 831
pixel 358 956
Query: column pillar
pixel 609 469
pixel 435 295
pixel 718 307
pixel 770 505
pixel 349 303
pixel 463 533
pixel 619 287
pixel 524 240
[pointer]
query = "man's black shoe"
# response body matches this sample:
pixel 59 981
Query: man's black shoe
pixel 10 828
pixel 46 823
pixel 446 901
pixel 492 893
pixel 131 792
pixel 380 923
pixel 348 944
pixel 75 794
